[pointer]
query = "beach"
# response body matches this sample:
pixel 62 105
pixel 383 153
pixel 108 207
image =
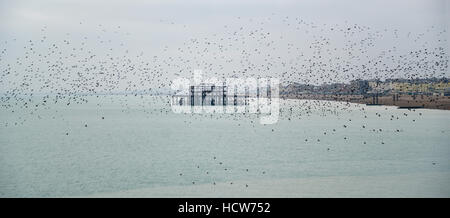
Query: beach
pixel 406 101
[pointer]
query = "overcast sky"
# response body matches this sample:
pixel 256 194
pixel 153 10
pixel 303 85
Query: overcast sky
pixel 139 16
pixel 153 27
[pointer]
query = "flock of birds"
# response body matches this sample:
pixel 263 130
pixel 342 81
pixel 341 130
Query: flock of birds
pixel 72 71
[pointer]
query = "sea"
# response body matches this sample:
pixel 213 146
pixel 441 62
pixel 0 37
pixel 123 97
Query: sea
pixel 113 143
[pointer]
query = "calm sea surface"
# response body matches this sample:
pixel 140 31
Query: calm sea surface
pixel 134 142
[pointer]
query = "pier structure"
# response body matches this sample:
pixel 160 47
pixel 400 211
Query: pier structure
pixel 206 94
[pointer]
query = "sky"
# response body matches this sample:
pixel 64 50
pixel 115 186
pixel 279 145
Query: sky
pixel 161 32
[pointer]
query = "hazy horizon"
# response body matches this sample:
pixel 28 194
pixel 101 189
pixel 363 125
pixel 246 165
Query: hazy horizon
pixel 311 42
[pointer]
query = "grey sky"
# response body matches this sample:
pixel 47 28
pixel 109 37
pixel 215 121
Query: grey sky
pixel 159 28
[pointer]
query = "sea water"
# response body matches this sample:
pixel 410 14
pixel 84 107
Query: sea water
pixel 117 143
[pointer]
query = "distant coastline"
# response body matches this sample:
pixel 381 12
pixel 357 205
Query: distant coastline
pixel 402 101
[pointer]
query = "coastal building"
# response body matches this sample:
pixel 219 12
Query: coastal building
pixel 440 88
pixel 377 86
pixel 359 87
pixel 431 86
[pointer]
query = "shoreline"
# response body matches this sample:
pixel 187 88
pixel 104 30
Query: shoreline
pixel 403 101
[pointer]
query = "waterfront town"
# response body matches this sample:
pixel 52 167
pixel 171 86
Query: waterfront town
pixel 404 93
